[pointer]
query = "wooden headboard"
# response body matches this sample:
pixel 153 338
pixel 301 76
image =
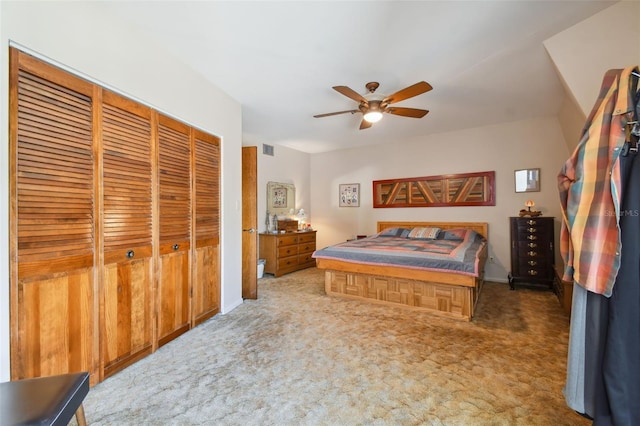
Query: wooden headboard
pixel 481 228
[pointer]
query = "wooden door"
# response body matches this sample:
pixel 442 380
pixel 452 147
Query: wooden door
pixel 249 222
pixel 206 199
pixel 174 180
pixel 52 233
pixel 127 229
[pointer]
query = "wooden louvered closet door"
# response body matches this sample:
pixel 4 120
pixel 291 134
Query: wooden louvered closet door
pixel 114 225
pixel 127 182
pixel 206 281
pixel 52 202
pixel 174 180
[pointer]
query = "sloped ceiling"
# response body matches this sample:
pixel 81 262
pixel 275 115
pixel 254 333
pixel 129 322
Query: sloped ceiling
pixel 485 60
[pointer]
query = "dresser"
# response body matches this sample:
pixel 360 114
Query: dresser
pixel 287 252
pixel 532 251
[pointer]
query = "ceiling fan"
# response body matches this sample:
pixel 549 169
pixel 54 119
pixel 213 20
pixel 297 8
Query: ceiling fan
pixel 373 105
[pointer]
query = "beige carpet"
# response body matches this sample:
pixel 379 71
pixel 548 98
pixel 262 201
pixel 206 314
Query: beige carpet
pixel 298 357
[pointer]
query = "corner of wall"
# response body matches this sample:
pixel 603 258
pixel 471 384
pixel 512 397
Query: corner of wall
pixel 572 120
pixel 582 53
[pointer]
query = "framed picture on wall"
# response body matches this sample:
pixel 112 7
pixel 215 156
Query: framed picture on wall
pixel 349 195
pixel 281 198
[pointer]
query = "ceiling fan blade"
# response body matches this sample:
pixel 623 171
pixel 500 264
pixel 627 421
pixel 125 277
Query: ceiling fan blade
pixel 408 92
pixel 350 93
pixel 364 124
pixel 352 111
pixel 407 112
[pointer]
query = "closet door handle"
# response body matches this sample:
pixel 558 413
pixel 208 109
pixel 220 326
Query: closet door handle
pixel 130 254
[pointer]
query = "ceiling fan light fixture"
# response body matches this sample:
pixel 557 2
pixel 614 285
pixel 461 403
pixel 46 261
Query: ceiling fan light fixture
pixel 373 116
pixel 372 105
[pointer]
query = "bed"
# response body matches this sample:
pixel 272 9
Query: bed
pixel 434 288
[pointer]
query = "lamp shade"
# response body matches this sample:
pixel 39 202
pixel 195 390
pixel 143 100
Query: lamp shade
pixel 373 116
pixel 529 203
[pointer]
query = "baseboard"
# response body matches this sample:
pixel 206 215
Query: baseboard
pixel 231 306
pixel 496 279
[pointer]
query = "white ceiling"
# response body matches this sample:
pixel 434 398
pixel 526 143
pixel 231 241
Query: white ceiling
pixel 484 59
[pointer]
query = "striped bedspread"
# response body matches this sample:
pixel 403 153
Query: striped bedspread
pixel 445 255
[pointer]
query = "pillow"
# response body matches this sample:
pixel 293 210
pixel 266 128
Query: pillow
pixel 424 233
pixel 395 232
pixel 453 234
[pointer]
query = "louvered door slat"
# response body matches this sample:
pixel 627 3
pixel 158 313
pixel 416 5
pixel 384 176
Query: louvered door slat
pixel 37 120
pixel 53 163
pixel 53 119
pixel 53 91
pixel 47 133
pixel 63 115
pixel 34 170
pixel 48 144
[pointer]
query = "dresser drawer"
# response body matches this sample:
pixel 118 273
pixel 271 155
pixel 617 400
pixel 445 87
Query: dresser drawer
pixel 307 248
pixel 287 262
pixel 306 258
pixel 532 221
pixel 285 251
pixel 535 272
pixel 307 238
pixel 533 262
pixel 525 253
pixel 287 240
pixel 539 237
pixel 529 245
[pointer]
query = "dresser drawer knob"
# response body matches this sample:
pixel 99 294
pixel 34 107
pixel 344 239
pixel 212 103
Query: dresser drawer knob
pixel 532 263
pixel 531 222
pixel 532 237
pixel 532 245
pixel 532 253
pixel 533 272
pixel 532 229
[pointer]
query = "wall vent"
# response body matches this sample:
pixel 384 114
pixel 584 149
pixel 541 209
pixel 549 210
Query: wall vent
pixel 267 149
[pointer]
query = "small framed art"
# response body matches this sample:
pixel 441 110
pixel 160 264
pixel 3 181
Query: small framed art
pixel 349 195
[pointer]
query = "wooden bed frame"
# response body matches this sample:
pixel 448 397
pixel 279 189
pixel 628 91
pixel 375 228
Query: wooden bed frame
pixel 446 294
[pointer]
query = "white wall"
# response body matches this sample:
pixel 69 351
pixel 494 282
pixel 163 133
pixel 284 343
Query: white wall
pixel 536 143
pixel 83 37
pixel 572 120
pixel 286 166
pixel 584 52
